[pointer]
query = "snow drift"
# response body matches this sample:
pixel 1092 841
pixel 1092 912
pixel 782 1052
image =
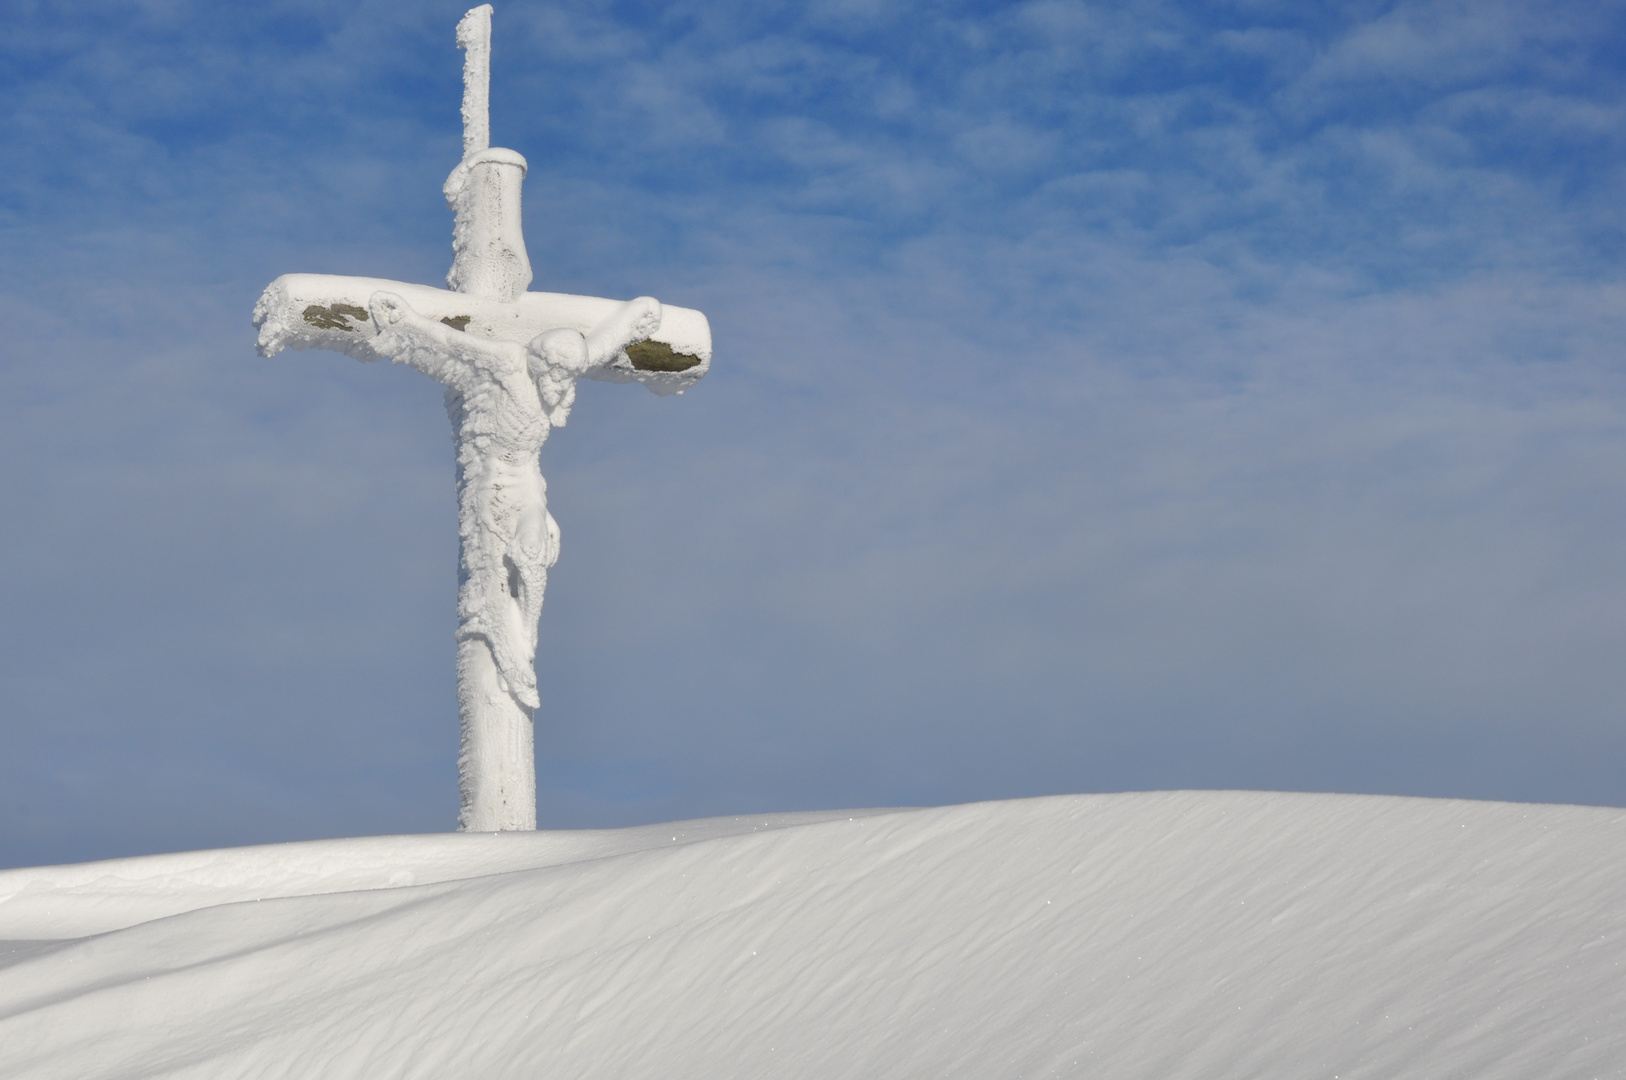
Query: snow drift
pixel 1185 934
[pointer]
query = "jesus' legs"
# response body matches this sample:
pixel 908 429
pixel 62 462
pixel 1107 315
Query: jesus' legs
pixel 507 550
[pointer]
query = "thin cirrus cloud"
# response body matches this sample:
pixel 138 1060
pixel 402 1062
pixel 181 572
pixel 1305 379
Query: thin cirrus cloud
pixel 1162 395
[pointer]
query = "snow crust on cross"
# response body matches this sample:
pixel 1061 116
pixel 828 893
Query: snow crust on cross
pixel 509 360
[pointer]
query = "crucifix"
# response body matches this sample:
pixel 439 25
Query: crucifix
pixel 509 360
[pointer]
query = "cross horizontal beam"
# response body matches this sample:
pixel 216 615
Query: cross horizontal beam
pixel 328 311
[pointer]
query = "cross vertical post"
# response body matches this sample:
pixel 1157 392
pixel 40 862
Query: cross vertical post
pixel 509 359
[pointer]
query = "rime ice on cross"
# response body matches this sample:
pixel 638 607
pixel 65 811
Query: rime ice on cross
pixel 509 360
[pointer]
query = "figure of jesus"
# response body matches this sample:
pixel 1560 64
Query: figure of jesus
pixel 503 399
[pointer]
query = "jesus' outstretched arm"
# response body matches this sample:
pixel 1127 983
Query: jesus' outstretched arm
pixel 450 357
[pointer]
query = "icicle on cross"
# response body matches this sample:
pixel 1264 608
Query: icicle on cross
pixel 509 360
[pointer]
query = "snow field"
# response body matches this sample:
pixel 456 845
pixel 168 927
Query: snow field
pixel 1166 935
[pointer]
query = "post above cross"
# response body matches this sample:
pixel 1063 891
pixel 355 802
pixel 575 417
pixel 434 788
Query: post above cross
pixel 474 38
pixel 509 359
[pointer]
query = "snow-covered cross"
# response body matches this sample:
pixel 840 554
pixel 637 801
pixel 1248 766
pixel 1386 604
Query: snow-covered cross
pixel 509 360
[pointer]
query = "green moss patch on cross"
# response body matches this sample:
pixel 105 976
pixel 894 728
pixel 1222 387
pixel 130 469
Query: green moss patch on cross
pixel 659 356
pixel 335 316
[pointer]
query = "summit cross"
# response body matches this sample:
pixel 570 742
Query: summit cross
pixel 509 360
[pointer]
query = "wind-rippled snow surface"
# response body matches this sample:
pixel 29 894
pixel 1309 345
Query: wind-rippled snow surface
pixel 1163 935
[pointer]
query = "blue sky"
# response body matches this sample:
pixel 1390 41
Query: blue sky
pixel 1105 398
